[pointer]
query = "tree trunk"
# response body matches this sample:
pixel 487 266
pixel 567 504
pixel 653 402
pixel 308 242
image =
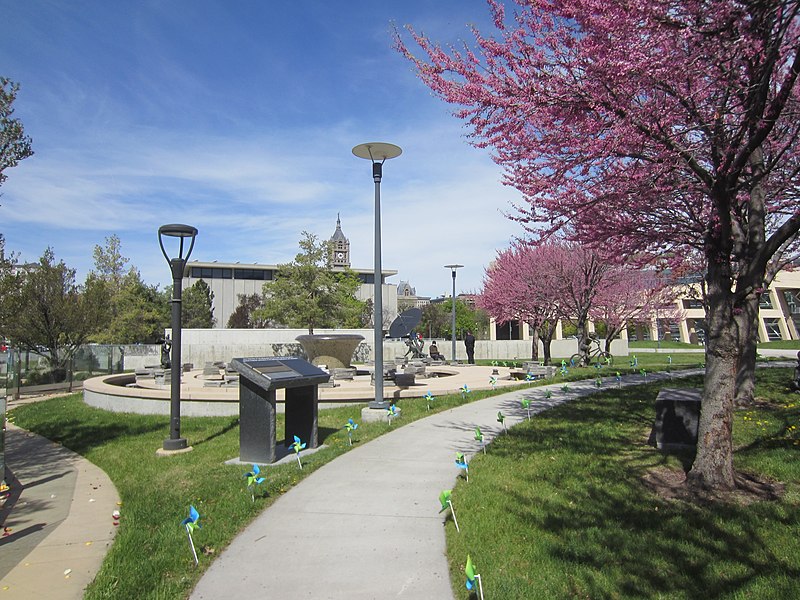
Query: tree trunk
pixel 713 465
pixel 746 376
pixel 546 335
pixel 535 343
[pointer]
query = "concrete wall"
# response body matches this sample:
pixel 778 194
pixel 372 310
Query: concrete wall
pixel 209 345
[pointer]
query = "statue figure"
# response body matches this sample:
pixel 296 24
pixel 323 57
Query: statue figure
pixel 794 385
pixel 166 346
pixel 415 345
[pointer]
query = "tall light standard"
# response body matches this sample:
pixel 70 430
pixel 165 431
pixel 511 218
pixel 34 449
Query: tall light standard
pixel 453 330
pixel 177 265
pixel 378 153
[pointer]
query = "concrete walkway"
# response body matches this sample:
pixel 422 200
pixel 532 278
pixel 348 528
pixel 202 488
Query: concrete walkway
pixel 57 520
pixel 367 525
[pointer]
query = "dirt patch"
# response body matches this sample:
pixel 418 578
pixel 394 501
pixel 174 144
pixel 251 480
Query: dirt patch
pixel 670 484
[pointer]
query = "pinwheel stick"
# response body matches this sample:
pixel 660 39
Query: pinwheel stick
pixel 350 437
pixel 453 512
pixel 298 460
pixel 191 544
pixel 480 585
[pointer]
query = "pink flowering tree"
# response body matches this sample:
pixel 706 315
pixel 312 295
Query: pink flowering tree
pixel 652 129
pixel 519 285
pixel 630 295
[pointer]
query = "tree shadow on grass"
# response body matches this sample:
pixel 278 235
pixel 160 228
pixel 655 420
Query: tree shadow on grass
pixel 82 436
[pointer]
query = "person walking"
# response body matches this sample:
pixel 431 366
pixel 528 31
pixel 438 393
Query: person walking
pixel 469 342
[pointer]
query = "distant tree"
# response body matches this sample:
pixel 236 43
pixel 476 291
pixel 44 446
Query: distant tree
pixel 142 314
pixel 243 316
pixel 14 144
pixel 631 295
pixel 109 263
pixel 197 305
pixel 52 315
pixel 434 320
pixel 519 285
pixel 308 293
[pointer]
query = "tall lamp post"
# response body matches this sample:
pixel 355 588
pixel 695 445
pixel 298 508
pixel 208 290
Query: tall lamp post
pixel 453 330
pixel 177 265
pixel 378 153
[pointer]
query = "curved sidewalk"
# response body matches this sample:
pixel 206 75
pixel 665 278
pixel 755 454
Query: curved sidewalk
pixel 366 525
pixel 57 520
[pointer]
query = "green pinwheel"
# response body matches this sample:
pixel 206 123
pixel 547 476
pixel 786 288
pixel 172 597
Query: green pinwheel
pixel 526 404
pixel 530 377
pixel 502 420
pixel 297 446
pixel 598 382
pixel 446 502
pixel 479 438
pixel 464 390
pixel 493 381
pixel 350 426
pixel 253 480
pixel 428 399
pixel 473 577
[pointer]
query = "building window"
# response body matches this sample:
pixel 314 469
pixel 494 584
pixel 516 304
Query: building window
pixel 765 301
pixel 253 274
pixel 210 273
pixel 692 303
pixel 773 329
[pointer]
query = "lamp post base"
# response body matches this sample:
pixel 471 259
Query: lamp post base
pixel 382 405
pixel 171 445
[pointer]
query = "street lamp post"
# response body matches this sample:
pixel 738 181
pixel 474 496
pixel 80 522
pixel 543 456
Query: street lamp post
pixel 453 329
pixel 177 265
pixel 378 153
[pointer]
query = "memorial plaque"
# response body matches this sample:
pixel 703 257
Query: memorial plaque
pixel 259 378
pixel 677 419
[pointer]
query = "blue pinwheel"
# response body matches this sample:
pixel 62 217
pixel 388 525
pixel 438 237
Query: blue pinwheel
pixel 464 390
pixel 428 399
pixel 350 426
pixel 619 379
pixel 530 377
pixel 634 362
pixel 564 370
pixel 461 463
pixel 191 523
pixel 446 502
pixel 253 480
pixel 297 446
pixel 392 413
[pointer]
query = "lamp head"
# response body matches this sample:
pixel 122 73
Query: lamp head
pixel 181 232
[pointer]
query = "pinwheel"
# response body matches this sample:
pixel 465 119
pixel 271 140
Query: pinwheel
pixel 502 420
pixel 634 362
pixel 598 382
pixel 564 370
pixel 253 480
pixel 526 404
pixel 297 446
pixel 191 523
pixel 479 438
pixel 530 377
pixel 473 577
pixel 464 390
pixel 350 426
pixel 446 502
pixel 493 381
pixel 644 373
pixel 619 379
pixel 392 413
pixel 461 463
pixel 428 399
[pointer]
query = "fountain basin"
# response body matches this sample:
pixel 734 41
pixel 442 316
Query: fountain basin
pixel 335 351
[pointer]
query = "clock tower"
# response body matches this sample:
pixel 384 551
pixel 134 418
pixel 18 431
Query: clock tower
pixel 340 247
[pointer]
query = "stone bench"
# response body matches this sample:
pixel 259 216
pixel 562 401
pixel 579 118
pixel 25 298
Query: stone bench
pixel 677 419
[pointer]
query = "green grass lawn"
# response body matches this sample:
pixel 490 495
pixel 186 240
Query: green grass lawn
pixel 556 509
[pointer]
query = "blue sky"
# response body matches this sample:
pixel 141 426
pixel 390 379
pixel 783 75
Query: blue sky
pixel 239 118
